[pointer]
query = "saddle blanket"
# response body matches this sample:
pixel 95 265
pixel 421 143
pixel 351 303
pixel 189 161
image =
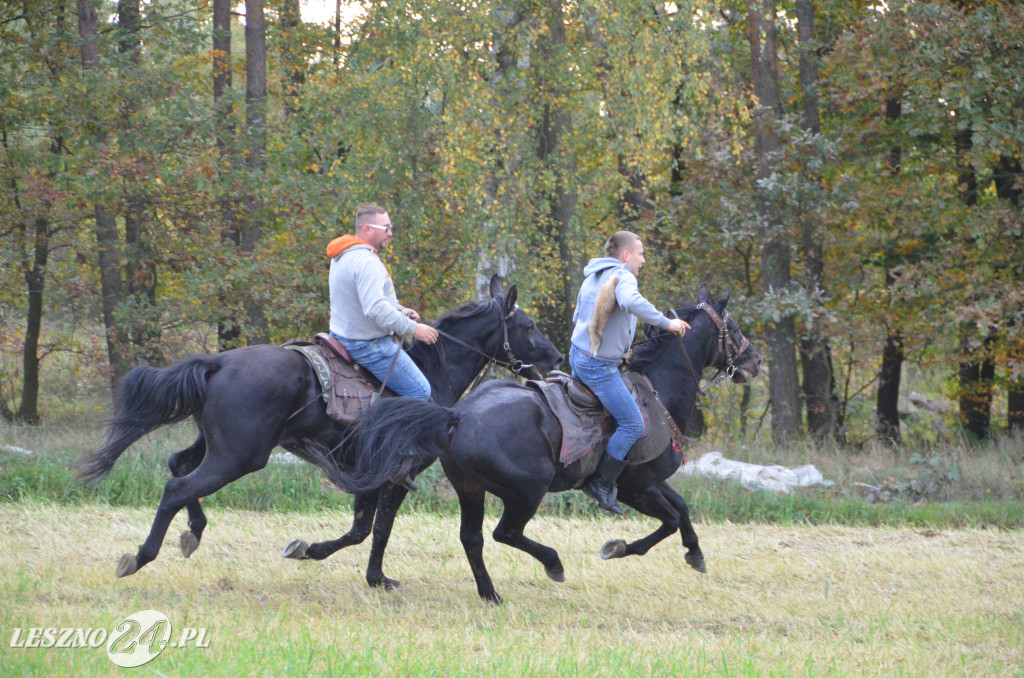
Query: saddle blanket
pixel 586 425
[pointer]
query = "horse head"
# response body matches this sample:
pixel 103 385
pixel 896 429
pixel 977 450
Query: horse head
pixel 522 339
pixel 734 354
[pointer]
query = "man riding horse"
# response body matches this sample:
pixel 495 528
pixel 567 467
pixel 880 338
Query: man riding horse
pixel 366 316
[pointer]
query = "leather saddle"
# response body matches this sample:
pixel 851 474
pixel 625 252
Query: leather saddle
pixel 347 389
pixel 586 425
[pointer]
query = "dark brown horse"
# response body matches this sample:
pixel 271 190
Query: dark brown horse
pixel 502 438
pixel 247 401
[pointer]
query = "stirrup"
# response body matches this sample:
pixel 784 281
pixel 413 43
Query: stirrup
pixel 612 506
pixel 405 481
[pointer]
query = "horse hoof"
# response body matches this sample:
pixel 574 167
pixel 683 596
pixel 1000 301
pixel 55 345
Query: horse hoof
pixel 556 573
pixel 613 548
pixel 392 585
pixel 128 564
pixel 296 550
pixel 696 561
pixel 189 542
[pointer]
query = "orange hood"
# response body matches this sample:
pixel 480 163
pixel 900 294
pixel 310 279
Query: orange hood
pixel 339 245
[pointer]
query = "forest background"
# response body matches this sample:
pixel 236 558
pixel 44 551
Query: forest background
pixel 171 171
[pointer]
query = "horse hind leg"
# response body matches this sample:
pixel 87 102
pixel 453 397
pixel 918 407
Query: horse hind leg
pixel 694 556
pixel 181 464
pixel 471 533
pixel 391 498
pixel 373 511
pixel 212 474
pixel 518 512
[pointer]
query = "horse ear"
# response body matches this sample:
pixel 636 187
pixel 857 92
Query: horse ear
pixel 724 301
pixel 510 300
pixel 702 294
pixel 495 285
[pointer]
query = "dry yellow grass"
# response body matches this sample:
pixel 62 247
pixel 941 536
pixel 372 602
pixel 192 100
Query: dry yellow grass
pixel 782 601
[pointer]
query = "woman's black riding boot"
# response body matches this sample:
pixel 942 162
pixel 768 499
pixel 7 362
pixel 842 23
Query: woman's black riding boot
pixel 601 485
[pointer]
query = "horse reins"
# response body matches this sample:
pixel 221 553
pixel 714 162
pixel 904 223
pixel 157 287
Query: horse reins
pixel 726 345
pixel 514 365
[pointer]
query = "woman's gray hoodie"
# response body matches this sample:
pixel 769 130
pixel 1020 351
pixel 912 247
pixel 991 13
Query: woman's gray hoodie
pixel 621 325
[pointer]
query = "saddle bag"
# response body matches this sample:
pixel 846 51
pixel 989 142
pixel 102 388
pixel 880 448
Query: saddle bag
pixel 348 390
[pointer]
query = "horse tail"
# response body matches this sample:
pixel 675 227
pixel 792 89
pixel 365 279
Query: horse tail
pixel 397 436
pixel 144 400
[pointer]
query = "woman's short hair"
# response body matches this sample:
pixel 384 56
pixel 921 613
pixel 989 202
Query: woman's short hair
pixel 618 242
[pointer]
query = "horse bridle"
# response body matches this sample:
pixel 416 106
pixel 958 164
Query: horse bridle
pixel 726 344
pixel 514 365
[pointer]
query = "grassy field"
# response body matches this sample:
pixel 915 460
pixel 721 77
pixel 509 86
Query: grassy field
pixel 777 600
pixel 910 565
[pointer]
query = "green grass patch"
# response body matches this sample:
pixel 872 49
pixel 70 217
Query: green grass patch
pixel 137 480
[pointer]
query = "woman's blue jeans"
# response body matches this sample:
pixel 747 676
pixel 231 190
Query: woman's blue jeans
pixel 605 380
pixel 376 355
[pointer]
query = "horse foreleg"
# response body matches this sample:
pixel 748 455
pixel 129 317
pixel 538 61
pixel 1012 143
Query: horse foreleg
pixel 391 498
pixel 181 464
pixel 694 556
pixel 364 507
pixel 664 503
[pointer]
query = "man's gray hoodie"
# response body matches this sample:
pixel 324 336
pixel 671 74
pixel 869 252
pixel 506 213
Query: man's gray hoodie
pixel 618 332
pixel 363 301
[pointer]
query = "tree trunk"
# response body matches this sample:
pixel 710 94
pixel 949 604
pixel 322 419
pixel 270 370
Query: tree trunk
pixel 141 271
pixel 228 324
pixel 890 373
pixel 294 76
pixel 887 423
pixel 1015 407
pixel 35 283
pixel 33 251
pixel 556 124
pixel 634 201
pixel 976 379
pixel 494 256
pixel 815 353
pixel 977 370
pixel 255 122
pixel 111 290
pixel 336 55
pixel 142 276
pixel 1007 176
pixel 107 240
pixel 780 334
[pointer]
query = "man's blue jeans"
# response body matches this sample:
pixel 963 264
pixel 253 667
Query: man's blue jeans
pixel 376 355
pixel 605 380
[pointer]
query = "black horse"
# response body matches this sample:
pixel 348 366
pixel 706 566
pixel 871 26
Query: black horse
pixel 247 401
pixel 502 438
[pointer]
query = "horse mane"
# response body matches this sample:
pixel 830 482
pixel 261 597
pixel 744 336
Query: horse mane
pixel 435 355
pixel 645 353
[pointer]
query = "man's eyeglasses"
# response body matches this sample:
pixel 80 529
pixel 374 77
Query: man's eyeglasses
pixel 387 229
